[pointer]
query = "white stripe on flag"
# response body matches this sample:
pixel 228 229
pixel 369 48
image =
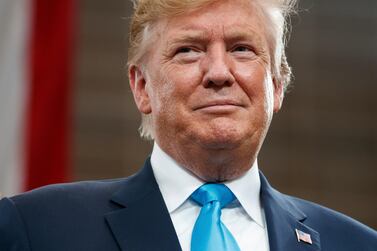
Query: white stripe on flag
pixel 15 16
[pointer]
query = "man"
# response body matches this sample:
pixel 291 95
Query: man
pixel 207 76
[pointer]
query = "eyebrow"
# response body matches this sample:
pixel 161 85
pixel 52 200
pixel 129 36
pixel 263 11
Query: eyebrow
pixel 194 34
pixel 239 34
pixel 189 36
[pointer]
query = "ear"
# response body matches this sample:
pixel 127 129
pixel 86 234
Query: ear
pixel 278 94
pixel 139 90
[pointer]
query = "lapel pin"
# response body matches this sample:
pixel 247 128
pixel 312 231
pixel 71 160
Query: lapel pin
pixel 304 237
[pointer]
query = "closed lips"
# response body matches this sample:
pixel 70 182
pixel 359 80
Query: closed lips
pixel 218 103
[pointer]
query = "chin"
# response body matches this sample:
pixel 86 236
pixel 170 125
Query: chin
pixel 222 137
pixel 220 173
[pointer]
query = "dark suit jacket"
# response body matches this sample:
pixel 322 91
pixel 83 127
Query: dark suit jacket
pixel 130 214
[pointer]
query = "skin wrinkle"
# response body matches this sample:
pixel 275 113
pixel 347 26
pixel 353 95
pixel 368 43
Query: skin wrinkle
pixel 270 16
pixel 225 143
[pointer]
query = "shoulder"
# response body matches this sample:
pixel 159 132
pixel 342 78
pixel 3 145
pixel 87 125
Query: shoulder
pixel 10 222
pixel 333 225
pixel 70 191
pixel 56 212
pixel 336 230
pixel 67 195
pixel 58 202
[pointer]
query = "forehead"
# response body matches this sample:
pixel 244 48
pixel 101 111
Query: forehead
pixel 232 17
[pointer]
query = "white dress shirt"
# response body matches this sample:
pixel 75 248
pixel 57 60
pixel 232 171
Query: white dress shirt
pixel 244 217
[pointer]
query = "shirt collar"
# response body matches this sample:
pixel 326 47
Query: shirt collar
pixel 177 184
pixel 247 190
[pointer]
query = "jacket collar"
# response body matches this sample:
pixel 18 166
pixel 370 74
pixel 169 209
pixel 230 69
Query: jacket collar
pixel 143 222
pixel 283 219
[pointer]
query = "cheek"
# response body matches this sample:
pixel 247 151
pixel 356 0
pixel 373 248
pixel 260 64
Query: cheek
pixel 172 89
pixel 186 74
pixel 257 84
pixel 182 80
pixel 252 79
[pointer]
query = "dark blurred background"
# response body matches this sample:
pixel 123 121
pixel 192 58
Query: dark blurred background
pixel 322 146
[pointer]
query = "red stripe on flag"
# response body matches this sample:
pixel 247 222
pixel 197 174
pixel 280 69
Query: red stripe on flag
pixel 48 111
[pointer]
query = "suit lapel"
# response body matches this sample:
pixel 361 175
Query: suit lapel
pixel 283 218
pixel 143 222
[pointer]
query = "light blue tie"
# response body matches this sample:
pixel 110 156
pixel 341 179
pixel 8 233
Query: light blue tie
pixel 209 233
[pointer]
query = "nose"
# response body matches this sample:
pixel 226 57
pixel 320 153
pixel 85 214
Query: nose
pixel 217 68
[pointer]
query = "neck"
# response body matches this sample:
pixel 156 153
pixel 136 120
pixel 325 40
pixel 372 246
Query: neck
pixel 212 164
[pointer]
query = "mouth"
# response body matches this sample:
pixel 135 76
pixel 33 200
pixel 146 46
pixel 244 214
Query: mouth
pixel 219 106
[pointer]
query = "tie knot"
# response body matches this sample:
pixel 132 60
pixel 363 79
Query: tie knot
pixel 213 192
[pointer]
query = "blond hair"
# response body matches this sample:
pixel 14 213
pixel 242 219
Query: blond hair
pixel 275 14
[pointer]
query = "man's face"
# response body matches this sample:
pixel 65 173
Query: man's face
pixel 207 81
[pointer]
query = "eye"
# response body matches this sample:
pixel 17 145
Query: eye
pixel 184 50
pixel 243 52
pixel 241 48
pixel 187 54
